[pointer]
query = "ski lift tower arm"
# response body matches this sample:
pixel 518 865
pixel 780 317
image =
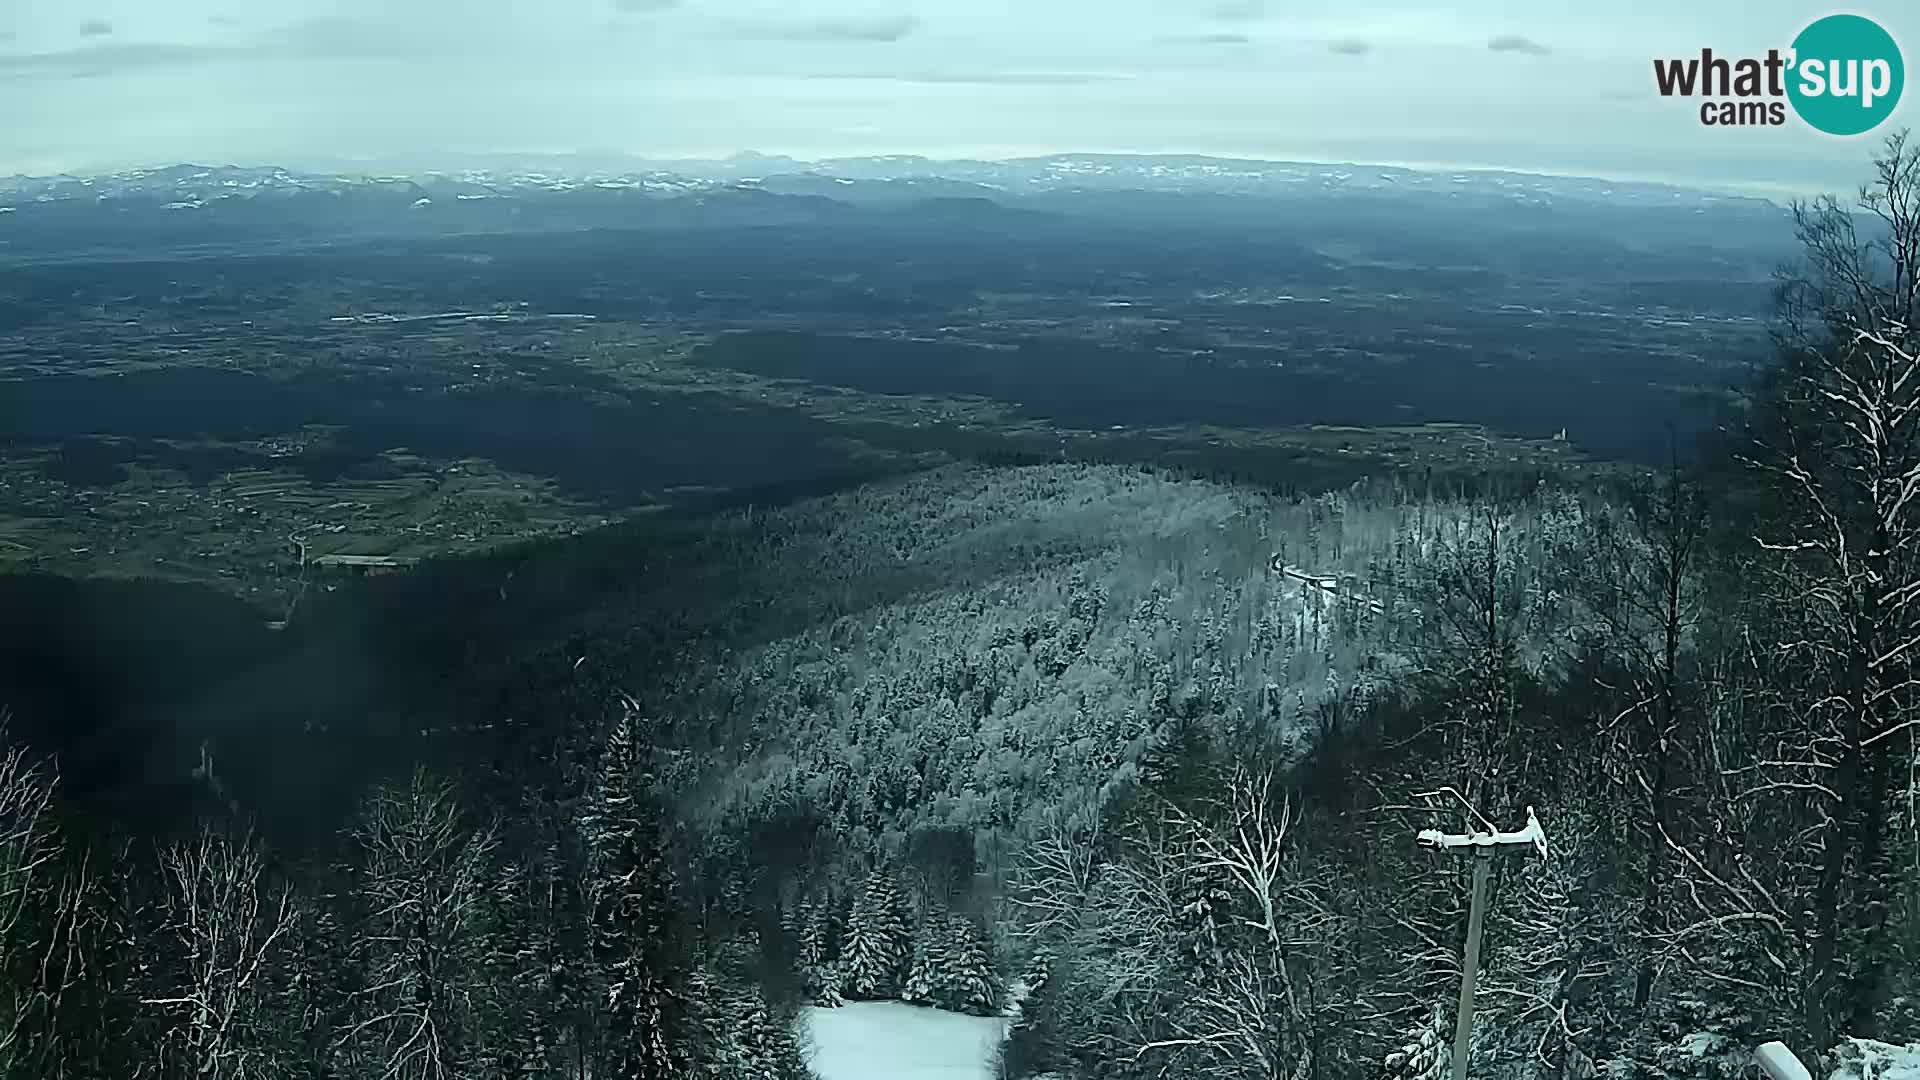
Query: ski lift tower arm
pixel 1532 836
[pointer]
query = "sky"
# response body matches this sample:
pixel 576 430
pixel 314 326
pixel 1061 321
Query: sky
pixel 1559 86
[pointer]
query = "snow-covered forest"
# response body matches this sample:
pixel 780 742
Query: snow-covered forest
pixel 1135 760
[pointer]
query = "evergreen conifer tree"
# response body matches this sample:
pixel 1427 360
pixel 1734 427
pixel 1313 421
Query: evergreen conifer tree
pixel 742 1036
pixel 965 980
pixel 1426 1055
pixel 1034 1040
pixel 875 952
pixel 818 965
pixel 636 946
pixel 925 968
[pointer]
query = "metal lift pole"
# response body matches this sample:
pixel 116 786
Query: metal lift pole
pixel 1481 845
pixel 1470 973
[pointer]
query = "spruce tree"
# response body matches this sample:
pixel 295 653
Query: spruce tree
pixel 925 969
pixel 1426 1055
pixel 742 1036
pixel 875 952
pixel 817 960
pixel 636 934
pixel 965 980
pixel 1034 1044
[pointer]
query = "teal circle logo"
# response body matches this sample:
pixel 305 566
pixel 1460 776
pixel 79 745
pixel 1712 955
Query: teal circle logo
pixel 1846 75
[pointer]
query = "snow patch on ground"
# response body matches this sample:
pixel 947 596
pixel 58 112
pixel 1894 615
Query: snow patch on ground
pixel 1867 1059
pixel 890 1040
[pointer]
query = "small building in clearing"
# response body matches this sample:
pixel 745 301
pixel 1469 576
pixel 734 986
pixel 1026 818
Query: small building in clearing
pixel 364 564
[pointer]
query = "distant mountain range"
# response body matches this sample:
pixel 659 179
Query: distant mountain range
pixel 1060 172
pixel 223 205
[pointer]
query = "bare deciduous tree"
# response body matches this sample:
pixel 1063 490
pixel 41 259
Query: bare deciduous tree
pixel 1638 574
pixel 54 987
pixel 229 928
pixel 424 940
pixel 1848 279
pixel 1475 602
pixel 1053 880
pixel 1242 1005
pixel 29 891
pixel 1549 951
pixel 1842 454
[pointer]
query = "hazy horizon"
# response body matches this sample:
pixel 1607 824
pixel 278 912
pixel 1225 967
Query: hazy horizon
pixel 594 162
pixel 1550 88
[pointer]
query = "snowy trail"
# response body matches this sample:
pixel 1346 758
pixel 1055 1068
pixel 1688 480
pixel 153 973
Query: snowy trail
pixel 887 1040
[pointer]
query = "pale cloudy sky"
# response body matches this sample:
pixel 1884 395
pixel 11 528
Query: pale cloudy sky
pixel 1548 85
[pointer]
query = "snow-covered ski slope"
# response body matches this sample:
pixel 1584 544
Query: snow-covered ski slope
pixel 889 1040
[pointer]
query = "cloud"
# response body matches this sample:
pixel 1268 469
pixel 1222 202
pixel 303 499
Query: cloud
pixel 1237 10
pixel 641 7
pixel 339 36
pixel 327 35
pixel 321 37
pixel 1205 39
pixel 985 78
pixel 1350 47
pixel 107 59
pixel 1517 44
pixel 880 28
pixel 96 28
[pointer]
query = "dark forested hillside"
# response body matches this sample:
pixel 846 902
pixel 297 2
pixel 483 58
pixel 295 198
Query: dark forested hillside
pixel 877 744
